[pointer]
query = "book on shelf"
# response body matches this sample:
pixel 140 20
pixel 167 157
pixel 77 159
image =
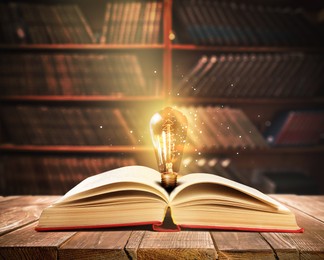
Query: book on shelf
pixel 262 75
pixel 53 174
pixel 296 127
pixel 214 127
pixel 243 24
pixel 132 22
pixel 46 125
pixel 132 196
pixel 44 23
pixel 75 74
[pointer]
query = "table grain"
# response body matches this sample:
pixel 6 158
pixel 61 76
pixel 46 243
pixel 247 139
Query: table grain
pixel 19 240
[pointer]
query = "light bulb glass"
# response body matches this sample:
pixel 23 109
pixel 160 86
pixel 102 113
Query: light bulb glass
pixel 168 132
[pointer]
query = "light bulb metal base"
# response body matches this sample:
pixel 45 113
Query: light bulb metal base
pixel 169 180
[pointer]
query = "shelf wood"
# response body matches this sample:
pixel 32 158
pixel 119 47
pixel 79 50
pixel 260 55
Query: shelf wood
pixel 251 101
pixel 80 47
pixel 135 149
pixel 191 47
pixel 262 151
pixel 74 149
pixel 175 100
pixel 181 47
pixel 82 99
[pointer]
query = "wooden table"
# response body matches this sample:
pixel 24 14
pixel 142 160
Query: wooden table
pixel 19 240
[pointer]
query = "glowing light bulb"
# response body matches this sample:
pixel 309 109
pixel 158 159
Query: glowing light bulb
pixel 168 132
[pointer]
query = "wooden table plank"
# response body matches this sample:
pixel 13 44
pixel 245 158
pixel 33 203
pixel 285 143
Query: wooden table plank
pixel 8 198
pixel 21 211
pixel 283 248
pixel 310 244
pixel 176 245
pixel 241 245
pixel 96 245
pixel 311 205
pixel 26 243
pixel 133 243
pixel 28 200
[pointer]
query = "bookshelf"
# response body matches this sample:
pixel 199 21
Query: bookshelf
pixel 165 54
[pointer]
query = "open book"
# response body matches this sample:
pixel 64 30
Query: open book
pixel 132 195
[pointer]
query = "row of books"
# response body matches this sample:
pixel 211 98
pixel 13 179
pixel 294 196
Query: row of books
pixel 132 22
pixel 214 127
pixel 52 175
pixel 210 127
pixel 237 23
pixel 125 22
pixel 297 127
pixel 56 125
pixel 75 74
pixel 140 21
pixel 253 75
pixel 40 23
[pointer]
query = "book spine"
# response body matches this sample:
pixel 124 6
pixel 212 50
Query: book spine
pixel 141 22
pixel 238 137
pixel 125 20
pixel 256 74
pixel 157 23
pixel 266 87
pixel 196 82
pixel 145 22
pixel 118 21
pixel 88 36
pixel 200 17
pixel 212 23
pixel 135 22
pixel 123 125
pixel 107 23
pixel 150 23
pixel 244 72
pixel 184 83
pixel 61 14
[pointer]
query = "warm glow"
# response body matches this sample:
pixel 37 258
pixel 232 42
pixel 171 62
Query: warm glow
pixel 168 132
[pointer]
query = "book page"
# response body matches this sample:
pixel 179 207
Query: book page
pixel 211 195
pixel 129 174
pixel 197 178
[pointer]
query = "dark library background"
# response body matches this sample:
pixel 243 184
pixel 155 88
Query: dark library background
pixel 80 80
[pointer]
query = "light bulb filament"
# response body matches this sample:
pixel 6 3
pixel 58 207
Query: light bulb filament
pixel 168 145
pixel 168 130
